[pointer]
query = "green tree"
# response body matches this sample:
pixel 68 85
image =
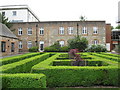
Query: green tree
pixel 82 18
pixel 78 42
pixel 118 27
pixel 5 21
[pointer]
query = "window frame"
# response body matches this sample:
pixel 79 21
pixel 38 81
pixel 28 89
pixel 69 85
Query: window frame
pixel 28 43
pixel 41 31
pixel 20 45
pixel 12 46
pixel 61 30
pixel 29 30
pixel 84 30
pixel 62 44
pixel 70 30
pixel 20 32
pixel 3 49
pixel 95 42
pixel 95 30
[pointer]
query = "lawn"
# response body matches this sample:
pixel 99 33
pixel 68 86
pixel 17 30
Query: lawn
pixel 41 70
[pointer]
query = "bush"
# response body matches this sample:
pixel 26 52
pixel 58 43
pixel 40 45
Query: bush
pixel 34 49
pixel 13 59
pixel 51 49
pixel 96 48
pixel 64 49
pixel 23 66
pixel 56 48
pixel 78 43
pixel 23 80
pixel 63 76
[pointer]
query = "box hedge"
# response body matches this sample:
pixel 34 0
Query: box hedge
pixel 20 81
pixel 17 58
pixel 23 66
pixel 62 76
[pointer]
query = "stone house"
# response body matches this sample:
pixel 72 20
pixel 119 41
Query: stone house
pixel 45 33
pixel 8 41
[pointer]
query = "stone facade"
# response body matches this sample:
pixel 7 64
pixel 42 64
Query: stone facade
pixel 8 41
pixel 8 46
pixel 52 32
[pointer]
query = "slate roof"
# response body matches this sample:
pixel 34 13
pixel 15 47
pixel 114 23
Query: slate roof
pixel 5 32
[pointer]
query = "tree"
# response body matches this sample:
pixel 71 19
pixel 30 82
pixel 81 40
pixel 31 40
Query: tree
pixel 82 18
pixel 5 21
pixel 78 43
pixel 112 27
pixel 118 27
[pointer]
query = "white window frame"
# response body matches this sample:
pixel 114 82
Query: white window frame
pixel 84 30
pixel 19 31
pixel 29 44
pixel 62 43
pixel 29 30
pixel 95 30
pixel 20 45
pixel 70 30
pixel 14 13
pixel 61 30
pixel 95 42
pixel 41 31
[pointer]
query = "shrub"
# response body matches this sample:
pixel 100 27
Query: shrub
pixel 13 59
pixel 34 49
pixel 96 48
pixel 23 66
pixel 63 76
pixel 23 80
pixel 78 43
pixel 50 49
pixel 64 49
pixel 53 48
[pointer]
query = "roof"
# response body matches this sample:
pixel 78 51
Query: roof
pixel 5 32
pixel 116 30
pixel 13 7
pixel 57 22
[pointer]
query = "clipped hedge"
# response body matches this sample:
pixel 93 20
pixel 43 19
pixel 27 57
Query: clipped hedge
pixel 107 57
pixel 17 58
pixel 23 80
pixel 23 66
pixel 62 76
pixel 85 63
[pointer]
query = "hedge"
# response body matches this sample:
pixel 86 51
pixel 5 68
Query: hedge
pixel 107 57
pixel 20 81
pixel 23 66
pixel 17 58
pixel 85 63
pixel 62 76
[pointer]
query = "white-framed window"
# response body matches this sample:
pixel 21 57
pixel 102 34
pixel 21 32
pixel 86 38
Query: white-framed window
pixel 70 30
pixel 29 44
pixel 61 43
pixel 20 45
pixel 95 30
pixel 29 31
pixel 61 30
pixel 95 42
pixel 19 31
pixel 14 13
pixel 84 30
pixel 41 31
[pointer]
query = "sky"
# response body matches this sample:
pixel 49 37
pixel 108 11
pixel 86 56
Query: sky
pixel 71 10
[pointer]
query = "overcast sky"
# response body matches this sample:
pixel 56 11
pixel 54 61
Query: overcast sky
pixel 62 10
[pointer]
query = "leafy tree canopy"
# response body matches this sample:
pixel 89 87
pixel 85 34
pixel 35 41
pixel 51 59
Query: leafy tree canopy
pixel 5 21
pixel 78 42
